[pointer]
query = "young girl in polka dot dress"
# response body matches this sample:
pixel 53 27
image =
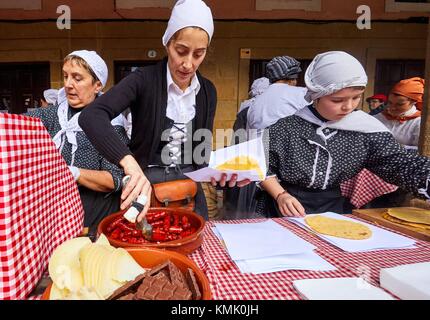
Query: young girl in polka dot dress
pixel 312 152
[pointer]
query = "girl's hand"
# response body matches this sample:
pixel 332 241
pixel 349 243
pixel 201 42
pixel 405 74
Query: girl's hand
pixel 290 206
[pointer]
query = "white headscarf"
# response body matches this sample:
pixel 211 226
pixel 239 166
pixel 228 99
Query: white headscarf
pixel 189 13
pixel 96 63
pixel 259 86
pixel 69 128
pixel 50 95
pixel 332 71
pixel 328 73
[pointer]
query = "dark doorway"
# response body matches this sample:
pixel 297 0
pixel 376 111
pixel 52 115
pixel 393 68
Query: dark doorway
pixel 22 85
pixel 124 68
pixel 257 69
pixel 389 72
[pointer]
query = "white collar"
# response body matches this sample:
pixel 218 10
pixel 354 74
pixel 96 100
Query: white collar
pixel 69 128
pixel 195 84
pixel 358 121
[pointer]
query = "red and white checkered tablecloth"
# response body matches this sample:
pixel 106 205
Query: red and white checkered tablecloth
pixel 369 263
pixel 228 283
pixel 40 206
pixel 365 187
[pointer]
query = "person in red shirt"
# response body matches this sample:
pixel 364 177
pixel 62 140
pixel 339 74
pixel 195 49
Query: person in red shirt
pixel 376 103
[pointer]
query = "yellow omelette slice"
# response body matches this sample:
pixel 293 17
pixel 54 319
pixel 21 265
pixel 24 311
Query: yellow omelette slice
pixel 242 163
pixel 338 228
pixel 414 215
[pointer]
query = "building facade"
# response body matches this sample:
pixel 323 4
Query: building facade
pixel 127 33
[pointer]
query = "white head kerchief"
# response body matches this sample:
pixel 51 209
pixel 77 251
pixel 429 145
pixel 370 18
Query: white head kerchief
pixel 50 95
pixel 96 63
pixel 189 13
pixel 259 86
pixel 69 128
pixel 332 71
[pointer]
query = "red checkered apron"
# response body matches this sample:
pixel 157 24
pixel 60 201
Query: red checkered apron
pixel 40 206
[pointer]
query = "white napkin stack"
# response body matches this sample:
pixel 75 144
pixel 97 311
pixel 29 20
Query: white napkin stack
pixel 339 289
pixel 408 282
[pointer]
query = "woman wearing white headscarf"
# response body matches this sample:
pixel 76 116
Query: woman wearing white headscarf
pixel 99 181
pixel 169 102
pixel 312 152
pixel 49 97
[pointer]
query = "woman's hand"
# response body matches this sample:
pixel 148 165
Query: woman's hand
pixel 137 185
pixel 290 206
pixel 233 181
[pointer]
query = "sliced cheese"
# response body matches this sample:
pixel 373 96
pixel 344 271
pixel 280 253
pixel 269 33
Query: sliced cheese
pixel 84 294
pixel 87 271
pixel 56 293
pixel 64 264
pixel 102 240
pixel 126 268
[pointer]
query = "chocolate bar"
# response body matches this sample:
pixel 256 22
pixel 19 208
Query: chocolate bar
pixel 176 276
pixel 163 282
pixel 159 268
pixel 129 296
pixel 129 287
pixel 160 287
pixel 193 285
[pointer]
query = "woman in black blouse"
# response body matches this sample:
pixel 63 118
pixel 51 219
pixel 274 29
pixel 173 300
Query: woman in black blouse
pixel 312 152
pixel 169 103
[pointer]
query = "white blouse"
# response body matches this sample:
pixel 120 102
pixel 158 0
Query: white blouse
pixel 181 108
pixel 406 133
pixel 279 100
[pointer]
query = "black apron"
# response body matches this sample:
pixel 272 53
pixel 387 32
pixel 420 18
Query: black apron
pixel 313 200
pixel 98 205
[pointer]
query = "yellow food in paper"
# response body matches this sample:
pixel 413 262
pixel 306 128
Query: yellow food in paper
pixel 242 163
pixel 413 215
pixel 339 228
pixel 84 270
